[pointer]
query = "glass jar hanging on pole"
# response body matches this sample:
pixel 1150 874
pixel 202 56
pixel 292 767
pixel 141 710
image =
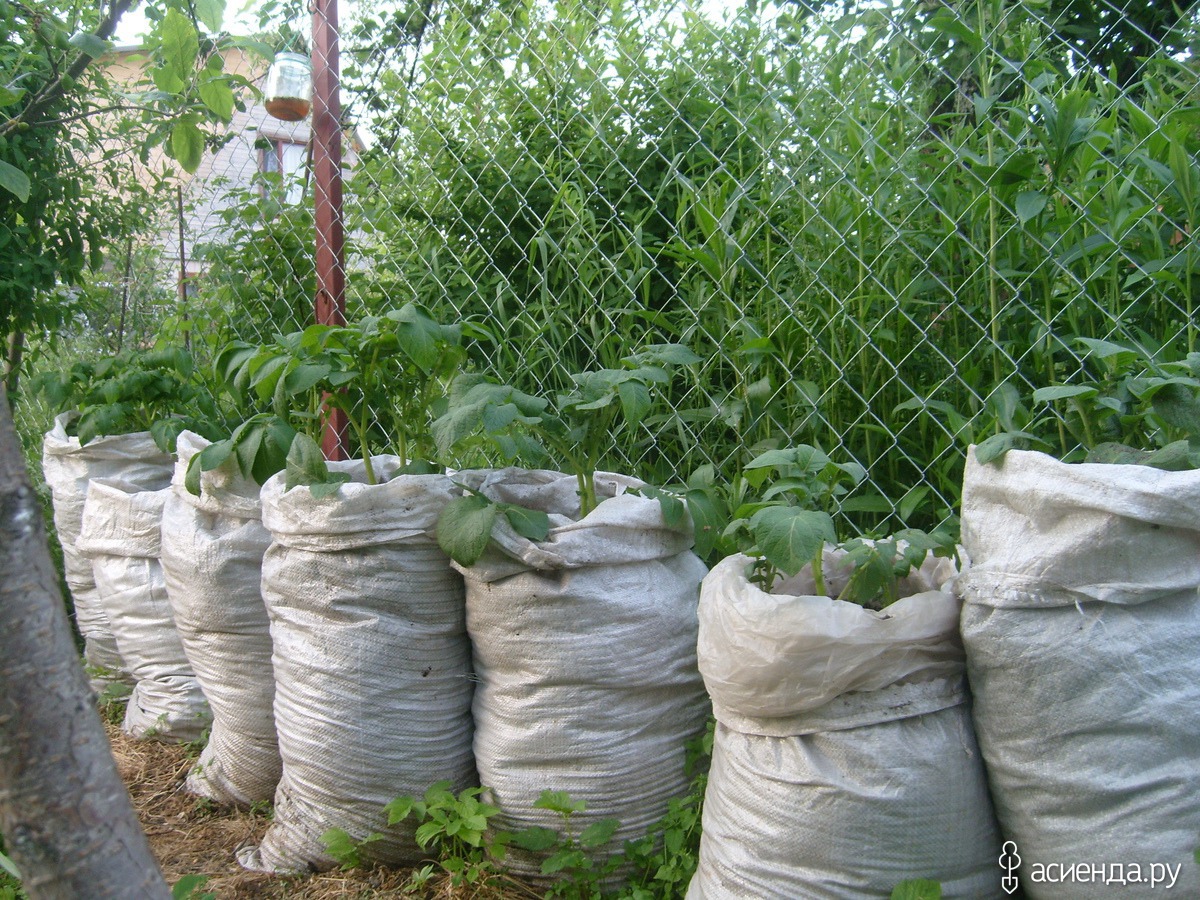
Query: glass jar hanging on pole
pixel 288 88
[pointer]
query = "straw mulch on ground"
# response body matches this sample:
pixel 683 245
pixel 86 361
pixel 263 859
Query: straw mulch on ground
pixel 194 836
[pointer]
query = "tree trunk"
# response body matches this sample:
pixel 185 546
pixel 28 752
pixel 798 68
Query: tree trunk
pixel 66 817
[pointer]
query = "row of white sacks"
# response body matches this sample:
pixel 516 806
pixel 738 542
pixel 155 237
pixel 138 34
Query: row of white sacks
pixel 845 757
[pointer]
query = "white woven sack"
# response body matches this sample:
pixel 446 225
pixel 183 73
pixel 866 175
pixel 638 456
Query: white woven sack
pixel 1081 624
pixel 372 663
pixel 584 648
pixel 68 466
pixel 212 552
pixel 120 535
pixel 844 761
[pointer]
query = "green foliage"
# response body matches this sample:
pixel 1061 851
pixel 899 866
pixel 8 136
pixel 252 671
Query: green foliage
pixel 260 447
pixel 10 878
pixel 260 276
pixel 571 852
pixel 465 525
pixel 454 828
pixel 344 849
pixel 66 132
pixel 305 465
pixel 1134 408
pixel 385 373
pixel 189 887
pixel 574 427
pixel 146 390
pixel 784 522
pixel 865 221
pixel 917 889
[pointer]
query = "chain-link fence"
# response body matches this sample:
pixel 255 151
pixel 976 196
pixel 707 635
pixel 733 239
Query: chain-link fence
pixel 882 225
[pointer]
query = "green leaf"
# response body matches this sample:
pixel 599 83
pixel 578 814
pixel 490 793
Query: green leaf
pixel 168 81
pixel 789 537
pixel 707 521
pixel 217 96
pixel 305 463
pixel 536 839
pixel 14 181
pixel 952 26
pixel 993 448
pixel 186 887
pixel 214 455
pixel 1179 407
pixel 91 44
pixel 330 487
pixel 559 802
pixel 1029 205
pixel 566 858
pixel 187 143
pixel 529 523
pixel 635 400
pixel 179 43
pixel 427 832
pixel 1062 392
pixel 10 95
pixel 165 433
pixel 672 507
pixel 11 867
pixel 598 833
pixel 341 847
pixel 917 889
pixel 211 13
pixel 872 503
pixel 191 479
pixel 664 355
pixel 465 527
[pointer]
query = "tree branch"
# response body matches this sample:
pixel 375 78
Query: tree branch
pixel 52 91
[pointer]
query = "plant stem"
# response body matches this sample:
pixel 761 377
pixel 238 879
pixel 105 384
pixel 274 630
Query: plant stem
pixel 818 572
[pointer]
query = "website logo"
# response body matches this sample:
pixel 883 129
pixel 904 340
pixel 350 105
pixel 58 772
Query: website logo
pixel 1010 861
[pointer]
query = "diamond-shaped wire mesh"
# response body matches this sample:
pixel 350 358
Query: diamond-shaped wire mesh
pixel 866 217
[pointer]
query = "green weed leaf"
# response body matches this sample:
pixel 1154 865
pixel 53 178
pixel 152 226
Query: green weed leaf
pixel 598 833
pixel 11 867
pixel 1030 205
pixel 917 889
pixel 536 839
pixel 559 802
pixel 187 886
pixel 398 809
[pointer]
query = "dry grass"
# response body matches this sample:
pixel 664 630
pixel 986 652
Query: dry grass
pixel 194 836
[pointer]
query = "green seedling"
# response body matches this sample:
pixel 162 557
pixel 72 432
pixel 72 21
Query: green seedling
pixel 571 851
pixel 454 828
pixel 344 849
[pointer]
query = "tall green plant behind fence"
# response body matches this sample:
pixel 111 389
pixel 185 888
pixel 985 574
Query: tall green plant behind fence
pixel 881 224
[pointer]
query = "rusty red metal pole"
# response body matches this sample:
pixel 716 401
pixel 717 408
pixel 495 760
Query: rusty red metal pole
pixel 327 196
